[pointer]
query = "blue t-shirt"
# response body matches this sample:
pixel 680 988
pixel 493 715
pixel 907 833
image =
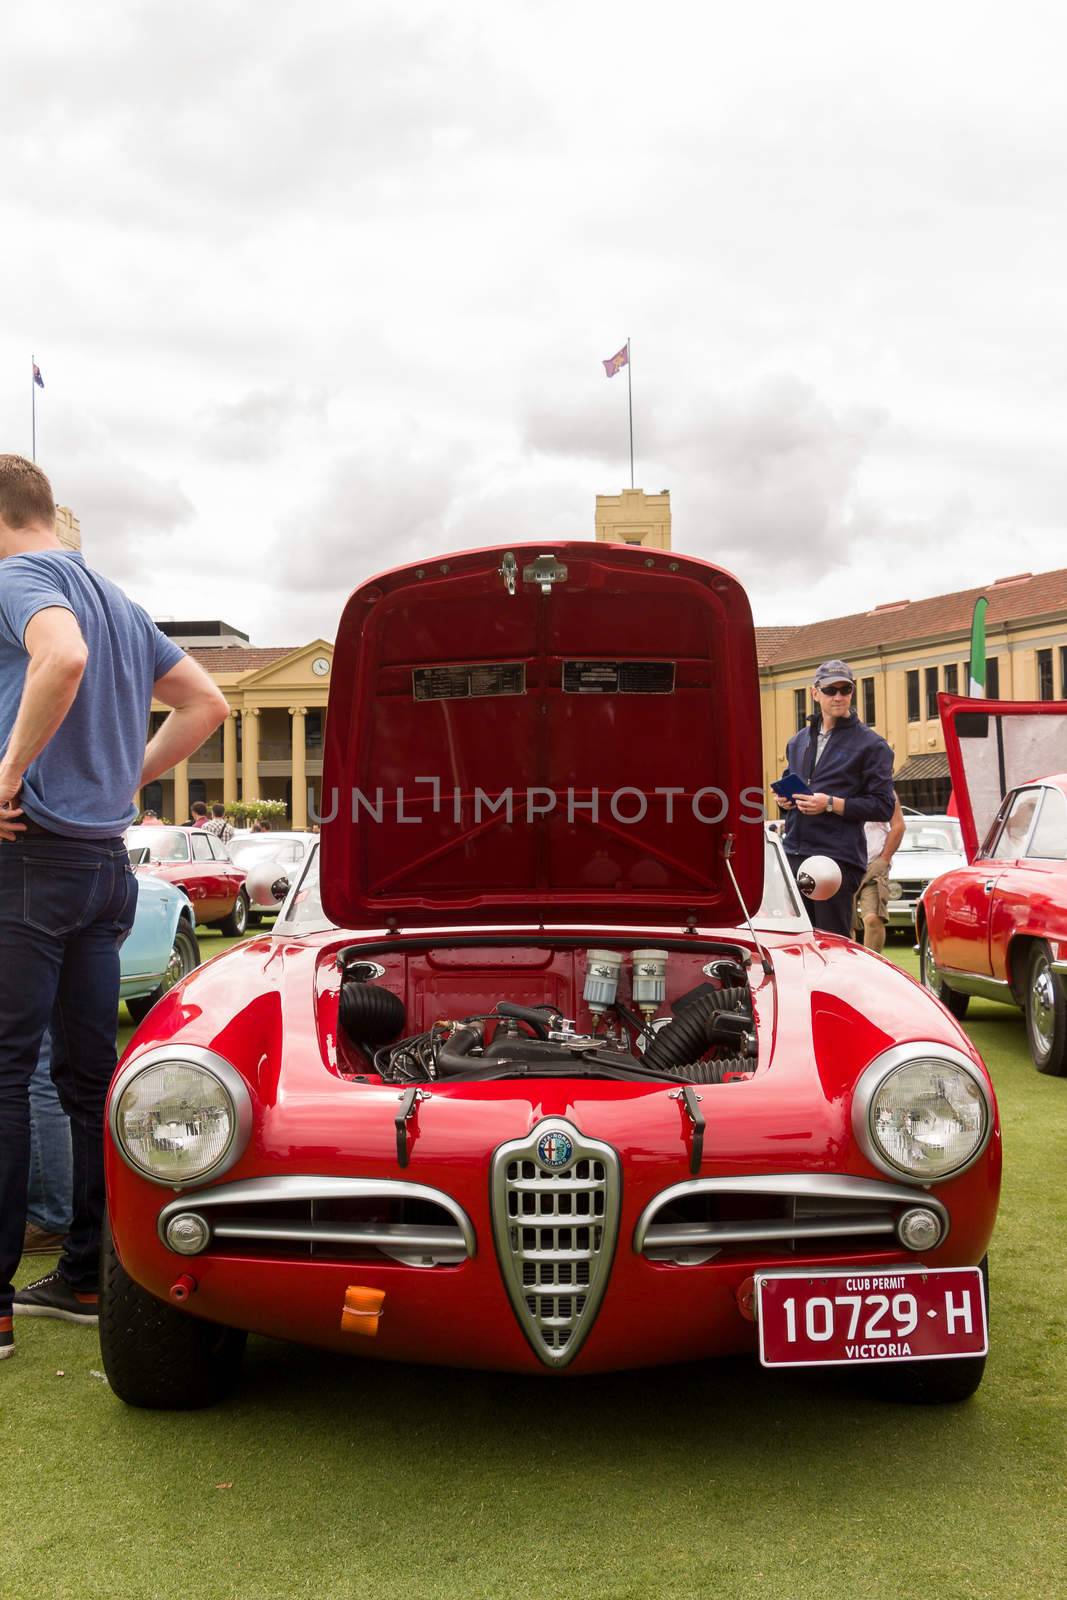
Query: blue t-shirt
pixel 83 782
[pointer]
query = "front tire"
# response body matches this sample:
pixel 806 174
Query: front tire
pixel 932 1383
pixel 930 978
pixel 236 923
pixel 157 1357
pixel 1046 1013
pixel 184 958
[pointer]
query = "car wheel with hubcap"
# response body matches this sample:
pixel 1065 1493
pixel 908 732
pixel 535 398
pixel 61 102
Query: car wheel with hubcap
pixel 155 1356
pixel 930 978
pixel 184 957
pixel 237 921
pixel 1046 1013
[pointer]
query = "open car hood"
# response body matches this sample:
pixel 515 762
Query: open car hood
pixel 993 746
pixel 560 733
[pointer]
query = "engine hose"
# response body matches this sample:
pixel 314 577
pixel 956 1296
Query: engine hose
pixel 688 1035
pixel 370 1015
pixel 712 1071
pixel 539 1017
pixel 453 1055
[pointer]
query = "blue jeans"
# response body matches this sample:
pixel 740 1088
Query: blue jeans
pixel 65 907
pixel 51 1167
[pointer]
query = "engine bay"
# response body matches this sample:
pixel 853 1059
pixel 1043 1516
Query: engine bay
pixel 430 1014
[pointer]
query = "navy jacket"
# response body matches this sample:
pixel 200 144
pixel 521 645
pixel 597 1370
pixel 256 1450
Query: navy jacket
pixel 857 766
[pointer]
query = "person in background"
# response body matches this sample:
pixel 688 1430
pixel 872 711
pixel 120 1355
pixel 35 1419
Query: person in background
pixel 80 665
pixel 198 811
pixel 872 899
pixel 849 769
pixel 220 824
pixel 149 819
pixel 51 1182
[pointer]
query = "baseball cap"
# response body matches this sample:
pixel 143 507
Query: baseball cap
pixel 833 672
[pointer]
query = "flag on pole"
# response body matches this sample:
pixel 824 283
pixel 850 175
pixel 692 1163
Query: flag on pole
pixel 977 684
pixel 38 380
pixel 615 363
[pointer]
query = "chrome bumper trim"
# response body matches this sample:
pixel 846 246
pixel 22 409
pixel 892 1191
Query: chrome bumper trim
pixel 444 1242
pixel 872 1213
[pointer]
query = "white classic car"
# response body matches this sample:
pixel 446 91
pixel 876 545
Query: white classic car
pixel 930 846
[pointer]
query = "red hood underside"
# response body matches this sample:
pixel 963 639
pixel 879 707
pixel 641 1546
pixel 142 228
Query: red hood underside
pixel 570 739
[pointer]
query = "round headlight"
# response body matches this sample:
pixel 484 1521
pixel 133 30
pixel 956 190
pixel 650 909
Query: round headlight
pixel 927 1115
pixel 179 1119
pixel 896 890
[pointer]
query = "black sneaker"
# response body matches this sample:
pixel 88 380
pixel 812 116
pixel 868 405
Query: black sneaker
pixel 7 1343
pixel 53 1297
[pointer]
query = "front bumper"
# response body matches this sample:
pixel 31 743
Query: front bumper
pixel 668 1284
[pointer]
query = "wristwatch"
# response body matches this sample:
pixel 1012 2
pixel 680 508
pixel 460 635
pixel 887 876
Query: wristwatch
pixel 829 803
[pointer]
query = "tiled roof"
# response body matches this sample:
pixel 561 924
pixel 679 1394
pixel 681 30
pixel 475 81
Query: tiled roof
pixel 239 658
pixel 1013 599
pixel 771 641
pixel 916 768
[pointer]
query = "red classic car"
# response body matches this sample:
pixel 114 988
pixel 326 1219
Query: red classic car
pixel 997 927
pixel 198 863
pixel 517 1081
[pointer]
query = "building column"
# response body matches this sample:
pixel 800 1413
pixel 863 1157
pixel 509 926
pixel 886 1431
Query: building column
pixel 229 759
pixel 299 766
pixel 136 803
pixel 181 791
pixel 250 753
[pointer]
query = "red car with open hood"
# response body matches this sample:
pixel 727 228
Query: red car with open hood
pixel 997 927
pixel 517 1081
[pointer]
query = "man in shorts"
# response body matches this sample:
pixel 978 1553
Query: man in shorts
pixel 872 896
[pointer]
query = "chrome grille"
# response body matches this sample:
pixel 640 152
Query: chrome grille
pixel 555 1235
pixel 331 1218
pixel 800 1214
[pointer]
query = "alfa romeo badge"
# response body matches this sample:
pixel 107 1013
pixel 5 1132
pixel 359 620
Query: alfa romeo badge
pixel 554 1149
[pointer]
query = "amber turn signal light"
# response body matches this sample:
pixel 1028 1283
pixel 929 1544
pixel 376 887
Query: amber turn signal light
pixel 362 1311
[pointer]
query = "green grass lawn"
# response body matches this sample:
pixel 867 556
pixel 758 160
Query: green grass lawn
pixel 325 1477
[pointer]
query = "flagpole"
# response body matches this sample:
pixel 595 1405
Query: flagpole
pixel 630 394
pixel 33 408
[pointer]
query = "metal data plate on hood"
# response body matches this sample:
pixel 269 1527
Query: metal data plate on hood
pixel 618 677
pixel 468 683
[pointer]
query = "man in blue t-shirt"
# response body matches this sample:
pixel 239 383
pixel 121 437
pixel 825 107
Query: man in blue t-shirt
pixel 79 666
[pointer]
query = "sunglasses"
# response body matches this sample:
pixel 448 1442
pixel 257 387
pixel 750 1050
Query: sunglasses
pixel 836 688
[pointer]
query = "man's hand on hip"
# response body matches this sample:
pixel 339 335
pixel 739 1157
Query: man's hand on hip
pixel 10 787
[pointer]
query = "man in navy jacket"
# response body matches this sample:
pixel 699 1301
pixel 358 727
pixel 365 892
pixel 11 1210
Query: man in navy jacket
pixel 849 768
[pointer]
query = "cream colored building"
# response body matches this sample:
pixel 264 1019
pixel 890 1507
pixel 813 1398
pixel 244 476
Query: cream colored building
pixel 903 653
pixel 634 517
pixel 269 747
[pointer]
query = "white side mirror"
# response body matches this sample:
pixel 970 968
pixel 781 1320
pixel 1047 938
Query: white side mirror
pixel 266 883
pixel 818 877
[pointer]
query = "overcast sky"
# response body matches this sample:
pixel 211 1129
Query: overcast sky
pixel 320 289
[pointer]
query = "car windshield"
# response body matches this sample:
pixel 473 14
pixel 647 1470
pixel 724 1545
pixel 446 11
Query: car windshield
pixel 162 844
pixel 923 834
pixel 780 901
pixel 264 847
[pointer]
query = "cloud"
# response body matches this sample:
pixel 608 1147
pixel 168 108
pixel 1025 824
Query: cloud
pixel 254 427
pixel 127 515
pixel 383 502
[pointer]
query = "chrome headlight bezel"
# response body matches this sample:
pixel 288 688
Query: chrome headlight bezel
pixel 212 1064
pixel 874 1076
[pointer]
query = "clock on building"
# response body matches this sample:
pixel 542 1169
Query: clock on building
pixel 320 666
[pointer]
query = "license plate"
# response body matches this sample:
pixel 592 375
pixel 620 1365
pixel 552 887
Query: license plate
pixel 855 1318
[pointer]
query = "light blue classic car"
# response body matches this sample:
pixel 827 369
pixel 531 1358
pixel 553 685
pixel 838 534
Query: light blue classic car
pixel 161 947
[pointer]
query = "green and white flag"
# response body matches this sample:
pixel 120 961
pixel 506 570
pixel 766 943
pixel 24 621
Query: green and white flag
pixel 977 685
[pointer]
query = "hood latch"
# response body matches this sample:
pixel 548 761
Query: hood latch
pixel 546 571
